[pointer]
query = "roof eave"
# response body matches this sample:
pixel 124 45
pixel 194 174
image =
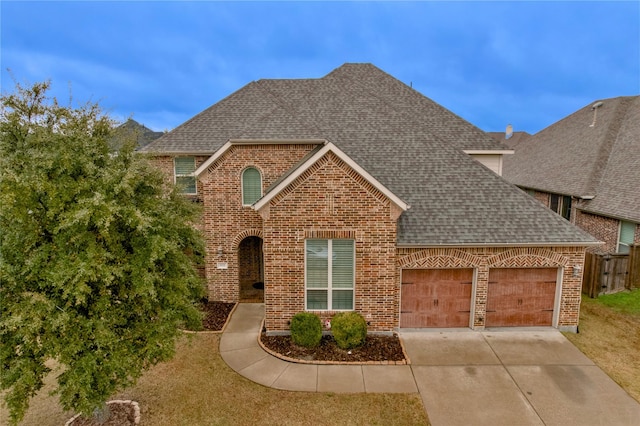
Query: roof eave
pixel 488 151
pixel 175 153
pixel 480 245
pixel 548 191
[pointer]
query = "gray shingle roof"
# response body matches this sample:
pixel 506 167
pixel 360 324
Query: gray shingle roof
pixel 406 141
pixel 592 152
pixel 516 138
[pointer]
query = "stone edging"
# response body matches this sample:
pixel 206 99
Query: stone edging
pixel 405 361
pixel 215 331
pixel 136 411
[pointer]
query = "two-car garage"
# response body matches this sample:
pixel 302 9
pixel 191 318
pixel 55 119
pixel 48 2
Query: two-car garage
pixel 442 298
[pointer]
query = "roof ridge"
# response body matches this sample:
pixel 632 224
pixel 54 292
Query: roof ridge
pixel 397 126
pixel 410 89
pixel 393 106
pixel 606 148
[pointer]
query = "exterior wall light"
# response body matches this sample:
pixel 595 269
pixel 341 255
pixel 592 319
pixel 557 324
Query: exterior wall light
pixel 576 270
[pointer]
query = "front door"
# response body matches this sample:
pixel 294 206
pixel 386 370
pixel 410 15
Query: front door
pixel 251 270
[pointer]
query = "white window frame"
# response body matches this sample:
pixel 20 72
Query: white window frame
pixel 242 184
pixel 623 246
pixel 329 287
pixel 177 175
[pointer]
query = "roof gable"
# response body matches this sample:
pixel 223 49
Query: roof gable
pixel 282 184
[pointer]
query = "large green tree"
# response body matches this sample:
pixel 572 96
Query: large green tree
pixel 97 255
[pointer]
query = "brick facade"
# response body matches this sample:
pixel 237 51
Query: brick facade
pixel 603 228
pixel 226 221
pixel 330 200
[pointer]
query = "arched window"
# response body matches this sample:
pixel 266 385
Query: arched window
pixel 251 186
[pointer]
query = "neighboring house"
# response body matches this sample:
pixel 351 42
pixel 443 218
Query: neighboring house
pixel 353 192
pixel 586 167
pixel 142 134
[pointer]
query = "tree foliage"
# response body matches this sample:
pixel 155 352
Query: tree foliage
pixel 97 255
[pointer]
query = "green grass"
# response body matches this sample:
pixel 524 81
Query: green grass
pixel 626 302
pixel 610 337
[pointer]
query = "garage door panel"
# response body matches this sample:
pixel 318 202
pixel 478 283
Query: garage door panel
pixel 521 297
pixel 436 298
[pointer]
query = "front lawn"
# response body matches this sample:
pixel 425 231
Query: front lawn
pixel 610 336
pixel 198 388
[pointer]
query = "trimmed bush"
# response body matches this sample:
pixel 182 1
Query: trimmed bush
pixel 306 329
pixel 349 329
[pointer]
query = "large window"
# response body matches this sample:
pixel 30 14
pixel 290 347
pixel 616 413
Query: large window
pixel 329 274
pixel 251 186
pixel 627 231
pixel 183 170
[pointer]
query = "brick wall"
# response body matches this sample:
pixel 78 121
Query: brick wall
pixel 482 259
pixel 226 221
pixel 543 197
pixel 331 201
pixel 603 228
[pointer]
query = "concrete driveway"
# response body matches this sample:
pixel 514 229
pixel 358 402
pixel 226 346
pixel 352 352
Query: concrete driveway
pixel 528 377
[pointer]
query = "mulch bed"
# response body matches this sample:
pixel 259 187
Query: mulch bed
pixel 216 314
pixel 376 348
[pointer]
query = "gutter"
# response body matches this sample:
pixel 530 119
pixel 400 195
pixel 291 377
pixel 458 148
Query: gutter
pixel 482 245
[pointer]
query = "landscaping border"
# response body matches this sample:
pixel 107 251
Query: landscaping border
pixel 405 361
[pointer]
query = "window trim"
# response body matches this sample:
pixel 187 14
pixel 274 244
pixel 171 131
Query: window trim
pixel 177 175
pixel 562 205
pixel 625 244
pixel 242 176
pixel 329 289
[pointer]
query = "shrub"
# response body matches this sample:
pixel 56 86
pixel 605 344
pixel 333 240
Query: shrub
pixel 349 329
pixel 306 329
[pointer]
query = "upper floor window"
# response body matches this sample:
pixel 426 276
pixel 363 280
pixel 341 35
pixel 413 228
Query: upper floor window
pixel 329 274
pixel 627 231
pixel 184 168
pixel 561 205
pixel 251 186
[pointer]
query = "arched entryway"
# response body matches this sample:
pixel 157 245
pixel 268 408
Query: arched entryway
pixel 251 270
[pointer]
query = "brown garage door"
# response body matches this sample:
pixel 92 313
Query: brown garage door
pixel 435 298
pixel 521 297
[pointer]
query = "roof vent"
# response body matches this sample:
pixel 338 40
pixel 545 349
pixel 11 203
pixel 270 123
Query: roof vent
pixel 595 107
pixel 509 132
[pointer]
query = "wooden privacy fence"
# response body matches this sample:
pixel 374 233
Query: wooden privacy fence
pixel 610 273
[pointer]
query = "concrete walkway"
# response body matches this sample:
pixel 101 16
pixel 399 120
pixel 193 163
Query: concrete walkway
pixel 532 377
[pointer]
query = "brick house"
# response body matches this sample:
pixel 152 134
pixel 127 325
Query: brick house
pixel 355 192
pixel 586 167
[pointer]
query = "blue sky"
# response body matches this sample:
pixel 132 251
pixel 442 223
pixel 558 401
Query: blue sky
pixel 492 63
